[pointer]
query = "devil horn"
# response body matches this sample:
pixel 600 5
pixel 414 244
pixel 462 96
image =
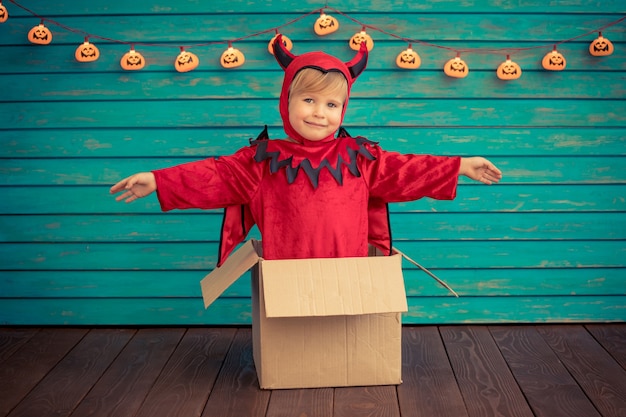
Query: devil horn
pixel 358 63
pixel 282 55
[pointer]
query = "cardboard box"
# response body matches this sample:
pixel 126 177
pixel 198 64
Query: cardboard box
pixel 320 322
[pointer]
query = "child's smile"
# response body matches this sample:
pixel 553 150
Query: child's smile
pixel 313 124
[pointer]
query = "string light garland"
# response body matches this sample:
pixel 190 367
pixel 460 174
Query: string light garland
pixel 361 37
pixel 508 70
pixel 286 41
pixel 232 57
pixel 456 67
pixel 87 52
pixel 186 61
pixel 408 59
pixel 601 46
pixel 40 35
pixel 554 61
pixel 132 60
pixel 324 25
pixel 4 13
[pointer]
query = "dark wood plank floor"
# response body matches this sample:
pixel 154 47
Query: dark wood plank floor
pixel 572 370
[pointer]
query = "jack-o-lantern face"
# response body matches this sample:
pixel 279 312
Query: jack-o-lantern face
pixel 132 61
pixel 601 47
pixel 87 52
pixel 40 35
pixel 358 38
pixel 553 61
pixel 325 25
pixel 509 70
pixel 4 14
pixel 232 58
pixel 408 59
pixel 286 43
pixel 186 61
pixel 456 68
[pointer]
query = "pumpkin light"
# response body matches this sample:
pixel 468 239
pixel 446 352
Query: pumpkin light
pixel 408 59
pixel 601 46
pixel 132 60
pixel 286 42
pixel 509 70
pixel 232 57
pixel 325 25
pixel 86 52
pixel 4 13
pixel 40 35
pixel 456 68
pixel 186 61
pixel 361 37
pixel 553 61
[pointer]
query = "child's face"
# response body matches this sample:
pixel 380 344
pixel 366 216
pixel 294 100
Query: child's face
pixel 315 116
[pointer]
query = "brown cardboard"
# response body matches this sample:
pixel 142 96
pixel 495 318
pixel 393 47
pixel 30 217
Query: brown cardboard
pixel 320 322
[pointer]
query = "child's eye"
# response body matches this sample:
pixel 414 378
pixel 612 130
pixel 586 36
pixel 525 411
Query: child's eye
pixel 332 105
pixel 308 100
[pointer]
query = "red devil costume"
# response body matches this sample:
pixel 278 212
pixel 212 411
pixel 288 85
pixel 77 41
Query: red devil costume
pixel 309 199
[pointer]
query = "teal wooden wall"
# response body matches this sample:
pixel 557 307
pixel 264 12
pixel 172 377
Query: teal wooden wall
pixel 545 245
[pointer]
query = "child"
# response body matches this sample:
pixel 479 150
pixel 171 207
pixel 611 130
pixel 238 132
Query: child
pixel 311 194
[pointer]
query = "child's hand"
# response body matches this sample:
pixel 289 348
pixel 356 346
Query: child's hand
pixel 134 187
pixel 480 169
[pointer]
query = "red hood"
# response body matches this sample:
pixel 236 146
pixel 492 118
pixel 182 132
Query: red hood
pixel 319 60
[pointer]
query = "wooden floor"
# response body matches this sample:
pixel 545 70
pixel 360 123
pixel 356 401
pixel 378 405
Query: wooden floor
pixel 475 371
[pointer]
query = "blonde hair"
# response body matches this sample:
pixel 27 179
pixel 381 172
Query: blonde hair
pixel 316 81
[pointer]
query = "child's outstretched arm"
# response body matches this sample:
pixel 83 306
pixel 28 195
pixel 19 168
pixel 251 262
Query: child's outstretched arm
pixel 480 169
pixel 134 187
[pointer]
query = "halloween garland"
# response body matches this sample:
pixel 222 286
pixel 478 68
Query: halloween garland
pixel 325 24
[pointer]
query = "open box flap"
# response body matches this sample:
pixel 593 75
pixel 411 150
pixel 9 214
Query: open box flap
pixel 332 287
pixel 215 283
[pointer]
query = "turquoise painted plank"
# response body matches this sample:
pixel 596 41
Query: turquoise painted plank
pixel 422 310
pixel 261 85
pixel 520 170
pixel 518 282
pixel 515 309
pixel 103 228
pixel 57 58
pixel 431 28
pixel 112 312
pixel 527 198
pixel 201 143
pixel 410 112
pixel 177 226
pixel 203 255
pixel 112 284
pixel 508 226
pixel 466 282
pixel 69 200
pixel 104 7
